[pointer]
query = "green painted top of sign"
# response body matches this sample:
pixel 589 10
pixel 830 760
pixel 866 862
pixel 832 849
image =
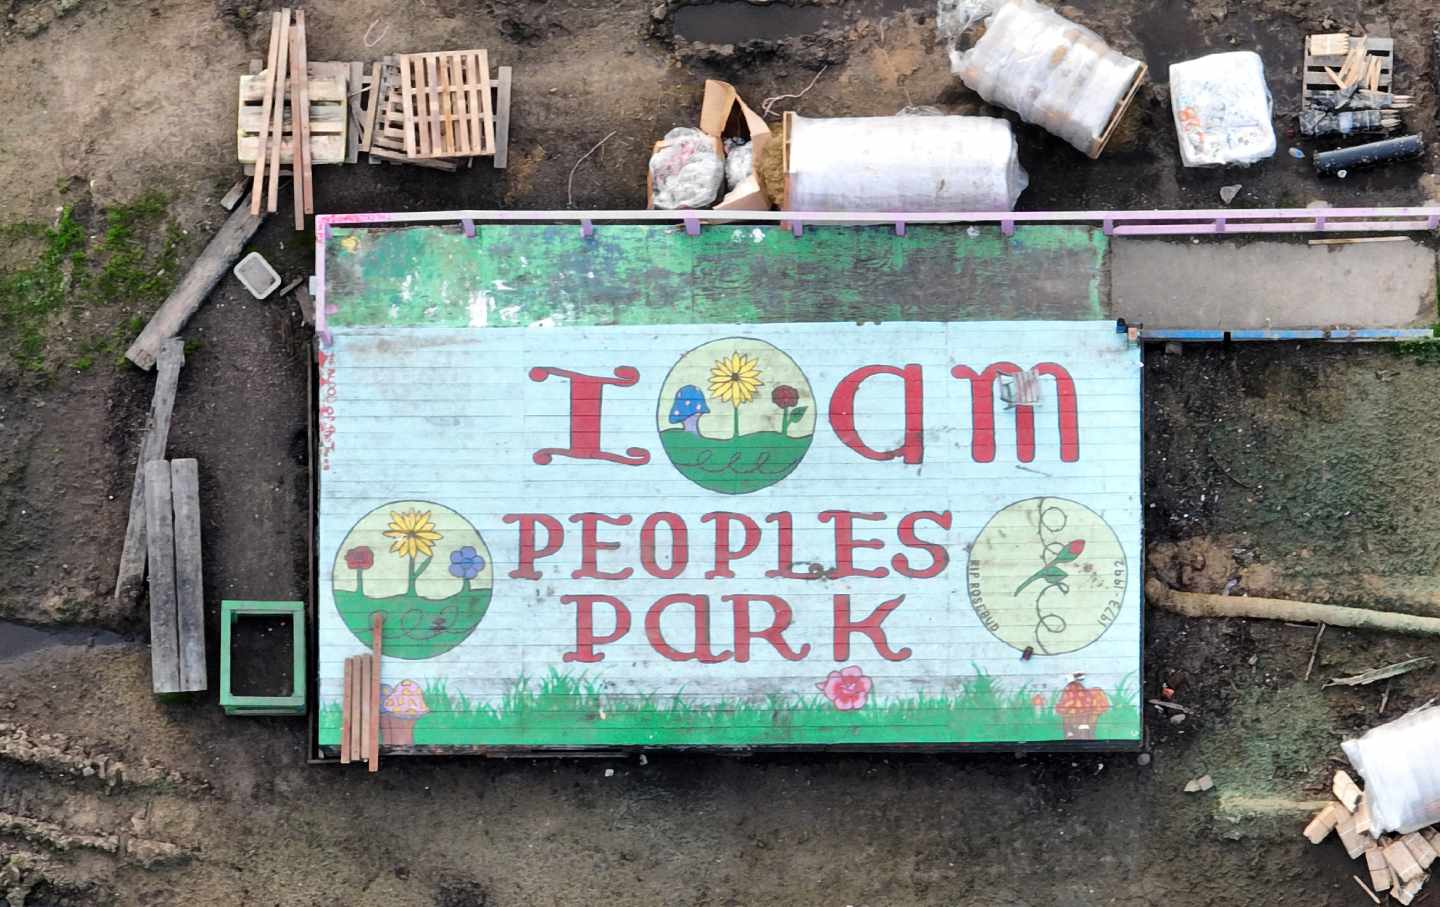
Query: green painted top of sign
pixel 650 274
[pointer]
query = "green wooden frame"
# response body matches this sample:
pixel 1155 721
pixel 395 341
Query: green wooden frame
pixel 235 704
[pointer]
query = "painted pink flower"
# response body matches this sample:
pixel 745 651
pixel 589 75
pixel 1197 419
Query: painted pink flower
pixel 847 689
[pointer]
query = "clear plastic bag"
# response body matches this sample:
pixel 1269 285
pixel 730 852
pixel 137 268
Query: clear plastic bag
pixel 739 162
pixel 1222 109
pixel 1400 762
pixel 687 170
pixel 1058 75
pixel 909 163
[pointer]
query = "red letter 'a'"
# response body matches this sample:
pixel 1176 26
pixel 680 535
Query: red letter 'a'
pixel 842 413
pixel 585 391
pixel 982 412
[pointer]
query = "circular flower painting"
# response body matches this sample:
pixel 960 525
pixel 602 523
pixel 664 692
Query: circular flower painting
pixel 421 565
pixel 736 415
pixel 1047 574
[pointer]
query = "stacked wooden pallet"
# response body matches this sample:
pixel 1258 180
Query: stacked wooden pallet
pixel 437 110
pixel 1347 86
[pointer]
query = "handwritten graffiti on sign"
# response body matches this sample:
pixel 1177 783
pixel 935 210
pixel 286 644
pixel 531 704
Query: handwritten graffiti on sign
pixel 739 534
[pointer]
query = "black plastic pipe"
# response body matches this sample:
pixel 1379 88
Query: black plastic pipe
pixel 1403 148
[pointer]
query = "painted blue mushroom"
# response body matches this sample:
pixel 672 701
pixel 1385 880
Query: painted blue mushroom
pixel 688 408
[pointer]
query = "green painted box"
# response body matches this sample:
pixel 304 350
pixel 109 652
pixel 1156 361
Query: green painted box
pixel 236 704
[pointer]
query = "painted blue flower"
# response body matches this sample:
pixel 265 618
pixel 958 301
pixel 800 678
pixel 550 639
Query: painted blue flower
pixel 466 563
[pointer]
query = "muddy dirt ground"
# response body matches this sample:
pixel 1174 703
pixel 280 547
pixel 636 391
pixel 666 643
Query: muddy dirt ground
pixel 1275 469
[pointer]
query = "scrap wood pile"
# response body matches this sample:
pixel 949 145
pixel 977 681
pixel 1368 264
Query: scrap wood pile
pixel 1396 864
pixel 435 110
pixel 1347 86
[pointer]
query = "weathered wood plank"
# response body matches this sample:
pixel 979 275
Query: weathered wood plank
pixel 303 100
pixel 272 201
pixel 298 132
pixel 230 199
pixel 377 633
pixel 347 709
pixel 354 114
pixel 160 545
pixel 152 447
pixel 202 277
pixel 189 573
pixel 267 102
pixel 502 119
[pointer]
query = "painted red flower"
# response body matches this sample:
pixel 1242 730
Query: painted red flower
pixel 847 689
pixel 1076 548
pixel 361 558
pixel 785 396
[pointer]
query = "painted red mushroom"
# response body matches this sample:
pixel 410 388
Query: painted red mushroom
pixel 1080 708
pixel 400 707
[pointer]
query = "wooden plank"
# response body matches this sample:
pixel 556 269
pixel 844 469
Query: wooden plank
pixel 488 121
pixel 272 201
pixel 213 264
pixel 297 131
pixel 362 690
pixel 347 708
pixel 375 96
pixel 189 573
pixel 267 102
pixel 324 119
pixel 304 119
pixel 502 119
pixel 160 549
pixel 325 88
pixel 324 149
pixel 448 139
pixel 407 98
pixel 436 143
pixel 433 163
pixel 377 638
pixel 357 714
pixel 131 575
pixel 355 114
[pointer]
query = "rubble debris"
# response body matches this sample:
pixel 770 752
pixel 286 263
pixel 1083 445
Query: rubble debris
pixel 1228 193
pixel 1366 889
pixel 1342 160
pixel 1420 848
pixel 1397 762
pixel 1402 861
pixel 1199 785
pixel 1222 110
pixel 1346 86
pixel 1379 869
pixel 1394 670
pixel 1363 823
pixel 61 755
pixel 1056 74
pixel 143 851
pixel 1195 604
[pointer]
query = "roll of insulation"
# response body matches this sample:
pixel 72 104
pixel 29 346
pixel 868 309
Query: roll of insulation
pixel 912 163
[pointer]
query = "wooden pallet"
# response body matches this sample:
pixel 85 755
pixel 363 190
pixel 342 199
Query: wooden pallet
pixel 328 89
pixel 1119 114
pixel 1325 54
pixel 446 104
pixel 387 139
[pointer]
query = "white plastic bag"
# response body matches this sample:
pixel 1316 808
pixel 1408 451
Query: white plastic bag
pixel 687 170
pixel 1058 75
pixel 739 162
pixel 1222 109
pixel 911 163
pixel 1400 762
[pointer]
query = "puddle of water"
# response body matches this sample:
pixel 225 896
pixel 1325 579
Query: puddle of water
pixel 22 639
pixel 736 21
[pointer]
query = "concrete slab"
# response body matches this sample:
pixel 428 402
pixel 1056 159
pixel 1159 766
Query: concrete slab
pixel 1170 284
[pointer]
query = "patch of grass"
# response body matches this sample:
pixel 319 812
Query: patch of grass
pixel 132 263
pixel 575 710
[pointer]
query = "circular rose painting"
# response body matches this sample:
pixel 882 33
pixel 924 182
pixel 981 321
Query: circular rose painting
pixel 421 565
pixel 736 415
pixel 1047 574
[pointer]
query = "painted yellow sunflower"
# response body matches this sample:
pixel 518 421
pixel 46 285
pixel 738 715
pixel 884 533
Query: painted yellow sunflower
pixel 735 379
pixel 414 533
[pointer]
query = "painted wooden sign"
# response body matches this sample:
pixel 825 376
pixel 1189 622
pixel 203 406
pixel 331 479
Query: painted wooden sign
pixel 798 534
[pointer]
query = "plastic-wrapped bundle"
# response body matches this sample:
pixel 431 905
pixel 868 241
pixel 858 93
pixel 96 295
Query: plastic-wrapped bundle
pixel 1402 773
pixel 687 170
pixel 911 163
pixel 1222 109
pixel 739 162
pixel 1058 75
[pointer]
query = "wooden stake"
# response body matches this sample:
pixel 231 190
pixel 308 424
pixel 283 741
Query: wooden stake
pixel 346 708
pixel 302 119
pixel 377 638
pixel 371 109
pixel 277 124
pixel 258 187
pixel 1314 650
pixel 362 695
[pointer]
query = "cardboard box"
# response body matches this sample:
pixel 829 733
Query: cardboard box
pixel 723 115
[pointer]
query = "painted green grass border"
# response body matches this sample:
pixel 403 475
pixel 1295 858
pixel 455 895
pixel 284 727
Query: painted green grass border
pixel 574 711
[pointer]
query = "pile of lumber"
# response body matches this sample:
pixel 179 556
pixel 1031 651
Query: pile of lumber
pixel 1347 86
pixel 1396 864
pixel 286 85
pixel 437 110
pixel 360 705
